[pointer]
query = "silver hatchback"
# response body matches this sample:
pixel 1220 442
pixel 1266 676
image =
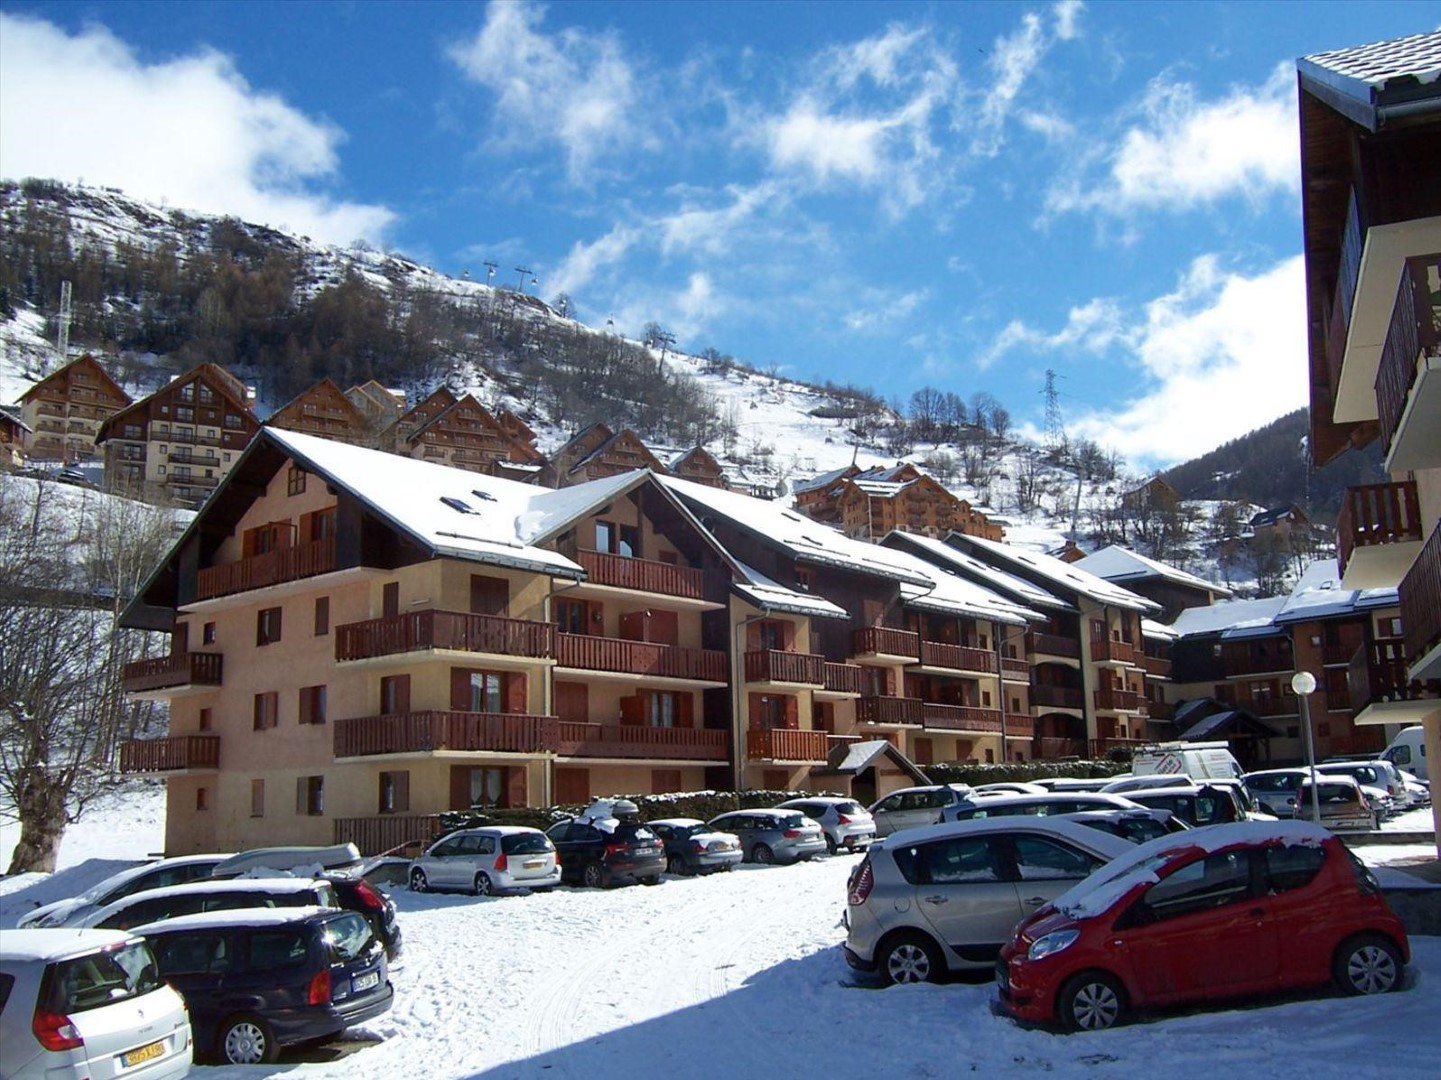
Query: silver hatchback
pixel 847 824
pixel 773 836
pixel 488 860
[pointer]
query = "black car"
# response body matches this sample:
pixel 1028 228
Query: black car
pixel 256 980
pixel 355 893
pixel 1206 805
pixel 598 858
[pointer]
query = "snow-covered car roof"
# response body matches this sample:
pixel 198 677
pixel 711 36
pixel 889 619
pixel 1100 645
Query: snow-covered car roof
pixel 758 811
pixel 1097 799
pixel 1101 843
pixel 829 799
pixel 678 821
pixel 212 920
pixel 57 943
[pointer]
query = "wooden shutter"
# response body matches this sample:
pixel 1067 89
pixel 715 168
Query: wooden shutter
pixel 572 701
pixel 515 790
pixel 301 803
pixel 756 711
pixel 402 791
pixel 572 785
pixel 793 716
pixel 515 696
pixel 925 751
pixel 460 689
pixel 180 639
pixel 632 626
pixel 664 780
pixel 664 628
pixel 685 712
pixel 307 527
pixel 788 636
pixel 489 595
pixel 390 599
pixel 460 787
pixel 632 709
pixel 753 637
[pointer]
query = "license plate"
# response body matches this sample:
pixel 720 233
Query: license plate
pixel 535 865
pixel 144 1053
pixel 365 982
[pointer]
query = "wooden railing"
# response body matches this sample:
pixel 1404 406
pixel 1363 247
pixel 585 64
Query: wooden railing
pixel 183 669
pixel 1362 742
pixel 452 630
pixel 957 657
pixel 388 832
pixel 170 754
pixel 1415 328
pixel 870 640
pixel 1053 645
pixel 785 667
pixel 960 717
pixel 1058 697
pixel 1377 672
pixel 424 732
pixel 1116 699
pixel 1158 666
pixel 1049 747
pixel 1015 667
pixel 639 658
pixel 889 710
pixel 1119 652
pixel 1421 600
pixel 786 744
pixel 1373 514
pixel 643 574
pixel 580 739
pixel 1019 727
pixel 272 568
pixel 844 678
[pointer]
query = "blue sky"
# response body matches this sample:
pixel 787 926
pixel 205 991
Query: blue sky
pixel 887 194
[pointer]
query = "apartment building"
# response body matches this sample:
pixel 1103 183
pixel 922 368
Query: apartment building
pixel 1172 588
pixel 699 466
pixel 466 435
pixel 1370 124
pixel 326 410
pixel 13 433
pixel 64 412
pixel 597 452
pixel 869 503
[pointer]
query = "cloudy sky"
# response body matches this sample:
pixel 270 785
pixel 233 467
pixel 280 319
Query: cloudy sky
pixel 887 194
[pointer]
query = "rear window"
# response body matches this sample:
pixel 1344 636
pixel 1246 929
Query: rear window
pixel 526 844
pixel 271 949
pixel 102 978
pixel 347 938
pixel 792 821
pixel 1292 867
pixel 634 832
pixel 850 808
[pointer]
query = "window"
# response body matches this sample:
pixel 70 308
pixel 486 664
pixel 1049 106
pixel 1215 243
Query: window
pixel 950 861
pixel 805 579
pixel 207 635
pixel 312 704
pixel 206 719
pixel 1211 882
pixel 770 635
pixel 394 694
pixel 662 709
pixel 295 481
pixel 185 414
pixel 202 799
pixel 234 421
pixel 257 798
pixel 394 792
pixel 605 536
pixel 572 616
pixel 1291 867
pixel 487 692
pixel 487 786
pixel 310 795
pixel 267 626
pixel 322 616
pixel 187 392
pixel 267 710
pixel 1039 859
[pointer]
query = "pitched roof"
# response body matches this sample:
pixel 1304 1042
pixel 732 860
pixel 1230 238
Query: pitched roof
pixel 228 386
pixel 12 414
pixel 1022 591
pixel 87 361
pixel 1116 563
pixel 825 479
pixel 1063 575
pixel 1372 83
pixel 1231 618
pixel 769 595
pixel 855 757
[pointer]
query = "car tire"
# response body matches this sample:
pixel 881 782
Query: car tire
pixel 763 855
pixel 593 876
pixel 650 879
pixel 542 888
pixel 909 958
pixel 831 846
pixel 1367 964
pixel 483 885
pixel 418 882
pixel 246 1040
pixel 676 865
pixel 1091 1001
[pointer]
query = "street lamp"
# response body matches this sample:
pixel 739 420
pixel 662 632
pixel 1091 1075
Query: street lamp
pixel 1304 683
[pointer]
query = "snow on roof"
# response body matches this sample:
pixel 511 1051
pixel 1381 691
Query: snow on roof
pixel 993 577
pixel 1318 595
pixel 1152 629
pixel 770 595
pixel 211 920
pixel 1116 563
pixel 1065 575
pixel 57 943
pixel 1229 615
pixel 953 594
pixel 825 479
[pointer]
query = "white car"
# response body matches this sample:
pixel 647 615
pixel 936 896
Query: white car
pixel 209 895
pixel 488 860
pixel 152 875
pixel 847 824
pixel 912 807
pixel 88 1004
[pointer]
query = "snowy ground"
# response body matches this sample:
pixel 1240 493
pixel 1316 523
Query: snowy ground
pixel 742 975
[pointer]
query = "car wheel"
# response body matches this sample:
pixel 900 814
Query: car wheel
pixel 594 876
pixel 910 958
pixel 483 885
pixel 418 882
pixel 650 879
pixel 1367 965
pixel 676 865
pixel 831 845
pixel 1091 1001
pixel 763 855
pixel 247 1040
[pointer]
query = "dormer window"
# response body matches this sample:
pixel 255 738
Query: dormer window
pixel 458 505
pixel 483 496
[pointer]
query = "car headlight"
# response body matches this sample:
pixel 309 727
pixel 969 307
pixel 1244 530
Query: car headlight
pixel 1051 943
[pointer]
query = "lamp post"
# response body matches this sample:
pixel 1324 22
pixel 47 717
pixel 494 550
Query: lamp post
pixel 1304 683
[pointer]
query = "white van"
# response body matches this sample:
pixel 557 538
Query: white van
pixel 1198 760
pixel 1408 751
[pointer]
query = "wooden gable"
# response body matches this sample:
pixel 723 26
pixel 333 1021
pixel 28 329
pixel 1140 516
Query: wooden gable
pixel 206 395
pixel 698 465
pixel 83 379
pixel 323 410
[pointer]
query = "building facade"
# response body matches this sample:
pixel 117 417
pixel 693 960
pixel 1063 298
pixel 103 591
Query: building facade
pixel 65 411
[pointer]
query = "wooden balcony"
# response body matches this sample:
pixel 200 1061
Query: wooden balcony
pixel 1377 672
pixel 883 641
pixel 1241 659
pixel 773 666
pixel 445 630
pixel 1406 370
pixel 786 744
pixel 1019 727
pixel 939 654
pixel 1378 533
pixel 1421 601
pixel 638 741
pixel 1106 651
pixel 1050 748
pixel 272 568
pixel 1115 700
pixel 427 732
pixel 843 678
pixel 1053 645
pixel 1015 669
pixel 1058 697
pixel 1158 667
pixel 940 717
pixel 388 833
pixel 174 754
pixel 890 710
pixel 643 575
pixel 589 653
pixel 173 672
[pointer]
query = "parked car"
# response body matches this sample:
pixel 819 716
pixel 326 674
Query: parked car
pixel 773 836
pixel 485 861
pixel 847 824
pixel 257 980
pixel 87 1003
pixel 1072 783
pixel 197 896
pixel 1070 802
pixel 151 875
pixel 946 897
pixel 1214 912
pixel 598 858
pixel 1342 802
pixel 693 847
pixel 1137 826
pixel 1275 789
pixel 1123 785
pixel 1209 804
pixel 355 892
pixel 1251 809
pixel 1380 775
pixel 1009 787
pixel 913 806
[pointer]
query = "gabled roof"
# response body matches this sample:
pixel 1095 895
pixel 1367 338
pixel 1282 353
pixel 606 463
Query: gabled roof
pixel 1277 513
pixel 952 594
pixel 12 414
pixel 624 435
pixel 1053 572
pixel 1231 618
pixel 86 361
pixel 1370 84
pixel 1116 563
pixel 824 480
pixel 325 389
pixel 582 438
pixel 1023 592
pixel 213 375
pixel 1319 595
pixel 856 757
pixel 769 595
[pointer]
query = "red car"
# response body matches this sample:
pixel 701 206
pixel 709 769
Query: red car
pixel 1216 912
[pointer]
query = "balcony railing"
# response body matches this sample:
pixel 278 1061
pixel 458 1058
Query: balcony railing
pixel 580 739
pixel 272 568
pixel 1157 666
pixel 1377 672
pixel 191 480
pixel 1374 514
pixel 957 657
pixel 785 667
pixel 1117 700
pixel 642 574
pixel 1116 652
pixel 426 732
pixel 960 718
pixel 170 755
pixel 1053 645
pixel 1049 747
pixel 1058 697
pixel 639 658
pixel 185 457
pixel 786 744
pixel 844 678
pixel 883 641
pixel 167 672
pixel 385 833
pixel 890 710
pixel 1015 667
pixel 1421 600
pixel 450 630
pixel 1415 329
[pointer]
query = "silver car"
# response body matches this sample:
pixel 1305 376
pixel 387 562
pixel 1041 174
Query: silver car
pixel 773 836
pixel 158 874
pixel 847 824
pixel 209 895
pixel 485 861
pixel 947 897
pixel 914 806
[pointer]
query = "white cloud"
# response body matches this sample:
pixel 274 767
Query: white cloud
pixel 883 309
pixel 1013 60
pixel 585 261
pixel 712 231
pixel 574 88
pixel 191 132
pixel 1093 327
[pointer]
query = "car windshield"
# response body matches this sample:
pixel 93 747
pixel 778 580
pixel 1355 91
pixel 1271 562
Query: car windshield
pixel 347 938
pixel 102 978
pixel 793 821
pixel 526 844
pixel 634 832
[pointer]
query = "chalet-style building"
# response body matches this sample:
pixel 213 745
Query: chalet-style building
pixel 381 406
pixel 1370 120
pixel 466 435
pixel 65 411
pixel 1282 522
pixel 416 417
pixel 327 411
pixel 819 497
pixel 1172 588
pixel 13 432
pixel 869 503
pixel 700 467
pixel 598 452
pixel 179 443
pixel 1155 494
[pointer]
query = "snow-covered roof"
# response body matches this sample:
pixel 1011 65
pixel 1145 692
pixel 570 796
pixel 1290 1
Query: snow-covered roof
pixel 769 595
pixel 1062 574
pixel 1231 618
pixel 1319 595
pixel 1116 563
pixel 955 595
pixel 825 479
pixel 256 916
pixel 56 944
pixel 1152 629
pixel 1024 592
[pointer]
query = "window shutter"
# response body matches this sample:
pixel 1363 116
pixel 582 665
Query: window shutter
pixel 307 527
pixel 460 689
pixel 632 709
pixel 685 710
pixel 390 599
pixel 793 719
pixel 753 637
pixel 756 712
pixel 515 792
pixel 788 636
pixel 402 791
pixel 300 801
pixel 460 787
pixel 515 695
pixel 572 701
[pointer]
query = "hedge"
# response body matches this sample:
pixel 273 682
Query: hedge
pixel 975 774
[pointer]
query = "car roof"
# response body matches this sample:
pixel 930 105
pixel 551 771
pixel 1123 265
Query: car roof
pixel 211 920
pixel 120 877
pixel 677 821
pixel 1334 778
pixel 755 811
pixel 213 885
pixel 491 830
pixel 1082 835
pixel 56 944
pixel 829 800
pixel 1095 798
